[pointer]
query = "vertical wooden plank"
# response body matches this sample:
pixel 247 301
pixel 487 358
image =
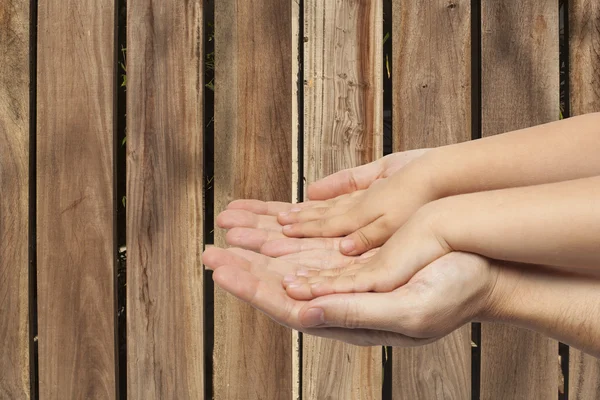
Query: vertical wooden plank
pixel 520 88
pixel 584 44
pixel 164 199
pixel 432 107
pixel 253 159
pixel 75 199
pixel 343 128
pixel 14 184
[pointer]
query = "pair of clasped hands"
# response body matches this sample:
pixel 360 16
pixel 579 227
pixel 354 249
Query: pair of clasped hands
pixel 407 249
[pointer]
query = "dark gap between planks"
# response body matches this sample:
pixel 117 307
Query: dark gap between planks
pixel 565 109
pixel 300 166
pixel 476 116
pixel 387 353
pixel 209 193
pixel 120 191
pixel 34 386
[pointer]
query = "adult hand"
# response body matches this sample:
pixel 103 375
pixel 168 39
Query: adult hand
pixel 439 299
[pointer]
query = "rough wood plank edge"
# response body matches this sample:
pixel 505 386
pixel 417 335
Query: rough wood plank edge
pixel 253 151
pixel 432 107
pixel 584 75
pixel 520 81
pixel 75 161
pixel 14 200
pixel 343 128
pixel 165 201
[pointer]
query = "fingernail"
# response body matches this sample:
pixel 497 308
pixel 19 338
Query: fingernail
pixel 302 272
pixel 347 245
pixel 295 209
pixel 289 278
pixel 287 228
pixel 284 213
pixel 313 317
pixel 315 286
pixel 294 285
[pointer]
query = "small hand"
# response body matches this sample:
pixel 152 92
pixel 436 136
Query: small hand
pixel 368 217
pixel 411 248
pixel 253 226
pixel 332 196
pixel 439 299
pixel 359 178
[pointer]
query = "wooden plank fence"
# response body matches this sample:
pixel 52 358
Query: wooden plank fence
pixel 298 95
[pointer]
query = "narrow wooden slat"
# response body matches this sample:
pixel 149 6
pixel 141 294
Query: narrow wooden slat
pixel 432 107
pixel 253 159
pixel 14 183
pixel 75 199
pixel 342 129
pixel 520 88
pixel 164 199
pixel 584 44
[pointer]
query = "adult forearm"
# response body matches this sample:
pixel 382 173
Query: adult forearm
pixel 555 224
pixel 564 307
pixel 554 152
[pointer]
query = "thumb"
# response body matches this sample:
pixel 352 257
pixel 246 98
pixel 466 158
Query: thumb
pixel 346 181
pixel 366 238
pixel 380 311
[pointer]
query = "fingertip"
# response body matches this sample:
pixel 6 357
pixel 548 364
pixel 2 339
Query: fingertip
pixel 221 219
pixel 348 246
pixel 313 317
pixel 299 291
pixel 288 230
pixel 210 257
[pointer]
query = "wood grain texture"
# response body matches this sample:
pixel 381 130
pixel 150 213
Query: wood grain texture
pixel 164 199
pixel 75 239
pixel 342 129
pixel 584 75
pixel 520 88
pixel 253 159
pixel 432 107
pixel 584 376
pixel 14 184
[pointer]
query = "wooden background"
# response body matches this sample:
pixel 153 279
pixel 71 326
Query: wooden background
pixel 299 95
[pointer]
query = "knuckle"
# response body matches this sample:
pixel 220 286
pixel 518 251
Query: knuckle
pixel 352 183
pixel 349 319
pixel 363 237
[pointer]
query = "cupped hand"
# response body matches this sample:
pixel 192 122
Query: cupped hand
pixel 362 177
pixel 442 297
pixel 414 246
pixel 338 194
pixel 252 225
pixel 366 218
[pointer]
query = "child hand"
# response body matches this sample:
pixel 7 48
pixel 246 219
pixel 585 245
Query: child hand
pixel 368 217
pixel 252 225
pixel 411 248
pixel 362 177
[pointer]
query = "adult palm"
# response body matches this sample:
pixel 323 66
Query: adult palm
pixel 439 299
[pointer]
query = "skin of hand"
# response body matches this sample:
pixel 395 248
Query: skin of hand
pixel 360 178
pixel 453 290
pixel 444 296
pixel 251 225
pixel 370 217
pixel 554 225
